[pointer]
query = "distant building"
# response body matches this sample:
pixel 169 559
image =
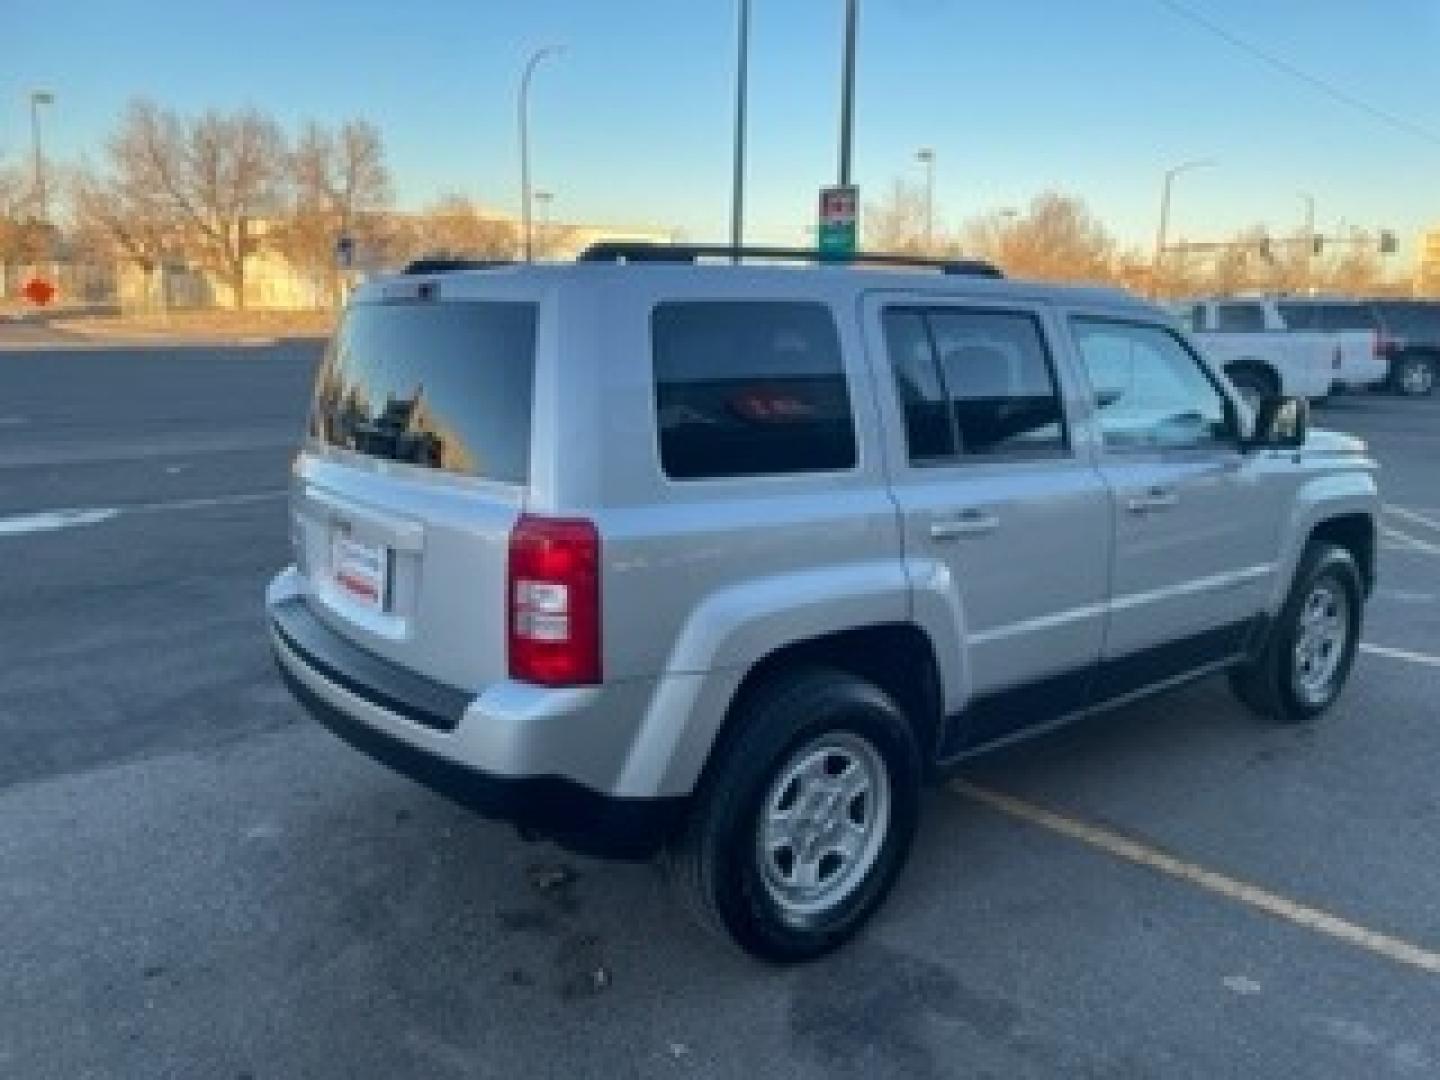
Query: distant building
pixel 1427 264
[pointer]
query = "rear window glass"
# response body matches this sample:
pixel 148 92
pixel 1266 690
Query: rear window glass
pixel 440 385
pixel 1240 318
pixel 744 388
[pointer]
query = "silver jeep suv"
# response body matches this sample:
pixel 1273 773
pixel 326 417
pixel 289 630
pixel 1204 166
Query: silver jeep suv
pixel 648 554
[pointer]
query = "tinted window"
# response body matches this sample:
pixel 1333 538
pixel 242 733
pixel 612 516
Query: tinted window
pixel 1240 318
pixel 1297 317
pixel 1337 317
pixel 974 383
pixel 1411 319
pixel 444 386
pixel 744 388
pixel 1150 391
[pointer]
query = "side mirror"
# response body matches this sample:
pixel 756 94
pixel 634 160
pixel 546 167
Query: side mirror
pixel 1281 423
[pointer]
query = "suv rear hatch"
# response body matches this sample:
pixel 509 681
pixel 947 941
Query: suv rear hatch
pixel 413 476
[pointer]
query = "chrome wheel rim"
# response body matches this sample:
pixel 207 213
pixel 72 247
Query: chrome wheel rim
pixel 822 824
pixel 1324 633
pixel 1417 378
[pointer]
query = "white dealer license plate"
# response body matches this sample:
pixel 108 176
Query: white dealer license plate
pixel 361 571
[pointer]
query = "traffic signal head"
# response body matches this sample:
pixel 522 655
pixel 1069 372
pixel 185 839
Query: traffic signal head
pixel 1388 242
pixel 1317 244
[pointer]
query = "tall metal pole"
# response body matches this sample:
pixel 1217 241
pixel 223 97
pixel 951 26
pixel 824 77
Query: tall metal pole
pixel 742 80
pixel 847 91
pixel 1309 238
pixel 927 157
pixel 1162 233
pixel 526 223
pixel 38 98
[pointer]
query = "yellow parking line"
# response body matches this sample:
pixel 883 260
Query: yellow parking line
pixel 1400 654
pixel 1392 948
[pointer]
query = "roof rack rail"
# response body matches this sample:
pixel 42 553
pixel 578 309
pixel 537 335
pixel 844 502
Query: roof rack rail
pixel 618 252
pixel 444 264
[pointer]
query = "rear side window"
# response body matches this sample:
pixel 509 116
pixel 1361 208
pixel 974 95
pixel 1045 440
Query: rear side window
pixel 1298 318
pixel 1412 319
pixel 746 388
pixel 1338 317
pixel 974 383
pixel 443 386
pixel 1240 318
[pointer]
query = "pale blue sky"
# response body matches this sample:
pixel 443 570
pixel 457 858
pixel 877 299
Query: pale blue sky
pixel 633 123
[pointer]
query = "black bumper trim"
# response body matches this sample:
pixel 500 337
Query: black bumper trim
pixel 570 814
pixel 364 674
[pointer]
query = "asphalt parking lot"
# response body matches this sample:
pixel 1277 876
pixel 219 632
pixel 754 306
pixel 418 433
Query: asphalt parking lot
pixel 197 882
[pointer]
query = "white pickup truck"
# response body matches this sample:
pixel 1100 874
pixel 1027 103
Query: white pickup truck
pixel 1299 346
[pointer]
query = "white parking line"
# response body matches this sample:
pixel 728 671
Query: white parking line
pixel 1408 542
pixel 1400 654
pixel 1292 911
pixel 50 520
pixel 53 519
pixel 1412 517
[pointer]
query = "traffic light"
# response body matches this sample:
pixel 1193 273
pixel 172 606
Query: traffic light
pixel 1265 251
pixel 1389 245
pixel 1317 245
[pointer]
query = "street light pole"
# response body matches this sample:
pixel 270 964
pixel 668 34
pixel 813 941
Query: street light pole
pixel 524 110
pixel 544 199
pixel 847 91
pixel 38 98
pixel 926 156
pixel 1309 238
pixel 1160 236
pixel 742 79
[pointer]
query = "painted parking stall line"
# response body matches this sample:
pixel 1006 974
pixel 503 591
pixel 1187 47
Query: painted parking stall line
pixel 1414 517
pixel 1282 907
pixel 1400 654
pixel 52 520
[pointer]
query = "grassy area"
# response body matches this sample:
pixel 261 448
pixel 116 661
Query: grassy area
pixel 207 323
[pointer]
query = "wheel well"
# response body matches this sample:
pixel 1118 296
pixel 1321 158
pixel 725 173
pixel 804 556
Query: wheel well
pixel 1356 534
pixel 897 657
pixel 1255 367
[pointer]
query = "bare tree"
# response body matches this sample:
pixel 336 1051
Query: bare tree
pixel 454 225
pixel 340 188
pixel 113 219
pixel 1056 239
pixel 22 235
pixel 897 222
pixel 213 175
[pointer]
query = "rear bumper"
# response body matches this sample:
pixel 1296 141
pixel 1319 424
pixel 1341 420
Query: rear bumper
pixel 402 720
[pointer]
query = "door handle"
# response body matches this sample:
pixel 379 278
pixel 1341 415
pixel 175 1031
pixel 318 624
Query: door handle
pixel 963 523
pixel 1156 498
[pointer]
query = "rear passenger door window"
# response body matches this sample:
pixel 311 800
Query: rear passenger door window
pixel 975 384
pixel 747 388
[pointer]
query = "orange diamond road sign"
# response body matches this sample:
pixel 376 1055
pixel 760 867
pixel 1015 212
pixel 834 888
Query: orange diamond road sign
pixel 38 291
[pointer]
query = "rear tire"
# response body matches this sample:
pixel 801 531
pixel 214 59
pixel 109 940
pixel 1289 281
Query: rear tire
pixel 1413 376
pixel 1308 652
pixel 815 761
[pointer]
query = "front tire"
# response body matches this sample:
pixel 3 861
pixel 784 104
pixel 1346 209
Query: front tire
pixel 804 819
pixel 1414 376
pixel 1309 650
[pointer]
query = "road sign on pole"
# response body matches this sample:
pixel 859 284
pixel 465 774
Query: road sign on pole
pixel 839 214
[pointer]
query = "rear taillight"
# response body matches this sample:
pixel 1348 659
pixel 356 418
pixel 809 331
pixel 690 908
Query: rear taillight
pixel 554 601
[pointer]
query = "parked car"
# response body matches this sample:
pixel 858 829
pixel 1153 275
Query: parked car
pixel 1410 343
pixel 1289 345
pixel 647 555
